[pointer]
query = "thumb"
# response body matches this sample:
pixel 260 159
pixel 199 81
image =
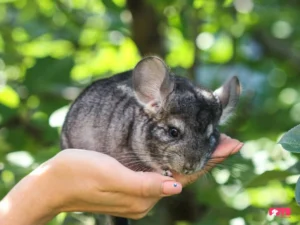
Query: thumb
pixel 152 185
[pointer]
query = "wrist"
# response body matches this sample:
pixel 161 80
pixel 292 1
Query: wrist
pixel 32 201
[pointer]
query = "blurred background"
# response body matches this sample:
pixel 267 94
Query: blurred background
pixel 51 50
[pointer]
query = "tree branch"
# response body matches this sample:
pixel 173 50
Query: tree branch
pixel 145 26
pixel 279 49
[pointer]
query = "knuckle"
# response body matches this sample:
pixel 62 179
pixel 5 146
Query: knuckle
pixel 145 187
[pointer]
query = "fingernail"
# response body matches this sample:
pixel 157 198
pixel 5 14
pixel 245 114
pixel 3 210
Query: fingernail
pixel 171 188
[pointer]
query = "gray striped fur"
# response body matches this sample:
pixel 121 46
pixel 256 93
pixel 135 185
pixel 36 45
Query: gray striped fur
pixel 129 116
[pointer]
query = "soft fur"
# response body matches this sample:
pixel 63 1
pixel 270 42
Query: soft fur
pixel 130 116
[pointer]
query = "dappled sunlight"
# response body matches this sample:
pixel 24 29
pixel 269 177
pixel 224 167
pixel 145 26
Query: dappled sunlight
pixel 273 194
pixel 105 61
pixel 288 96
pixel 221 175
pixel 235 196
pixel 182 51
pixel 267 155
pixel 244 6
pixel 241 201
pixel 57 118
pixel 281 29
pixel 205 40
pixel 45 45
pixel 237 221
pixel 20 158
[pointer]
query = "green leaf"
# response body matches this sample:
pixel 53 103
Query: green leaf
pixel 291 140
pixel 297 191
pixel 266 177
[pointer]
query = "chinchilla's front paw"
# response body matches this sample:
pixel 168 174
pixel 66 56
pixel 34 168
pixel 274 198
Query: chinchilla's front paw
pixel 167 173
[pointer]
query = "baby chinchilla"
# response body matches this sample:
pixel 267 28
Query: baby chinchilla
pixel 150 119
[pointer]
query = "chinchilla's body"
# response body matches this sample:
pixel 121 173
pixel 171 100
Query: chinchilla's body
pixel 149 119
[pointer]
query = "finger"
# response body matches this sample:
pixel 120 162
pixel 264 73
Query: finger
pixel 149 184
pixel 226 147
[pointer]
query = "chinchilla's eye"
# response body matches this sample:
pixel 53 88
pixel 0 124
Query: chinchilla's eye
pixel 173 132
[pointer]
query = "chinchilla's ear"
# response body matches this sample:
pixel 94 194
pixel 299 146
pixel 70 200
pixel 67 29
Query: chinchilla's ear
pixel 152 83
pixel 228 95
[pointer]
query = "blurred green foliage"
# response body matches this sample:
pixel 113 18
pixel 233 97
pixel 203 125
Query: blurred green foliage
pixel 50 50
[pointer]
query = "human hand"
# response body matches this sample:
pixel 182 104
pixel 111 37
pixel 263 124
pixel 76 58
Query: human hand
pixel 226 147
pixel 127 193
pixel 86 181
pixel 95 182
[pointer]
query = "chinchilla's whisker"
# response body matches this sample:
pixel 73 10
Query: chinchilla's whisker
pixel 213 162
pixel 222 165
pixel 224 161
pixel 207 175
pixel 230 165
pixel 229 162
pixel 210 164
pixel 217 165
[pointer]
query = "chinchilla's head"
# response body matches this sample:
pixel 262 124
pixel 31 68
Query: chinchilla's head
pixel 181 130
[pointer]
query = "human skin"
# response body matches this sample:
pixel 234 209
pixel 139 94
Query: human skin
pixel 87 181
